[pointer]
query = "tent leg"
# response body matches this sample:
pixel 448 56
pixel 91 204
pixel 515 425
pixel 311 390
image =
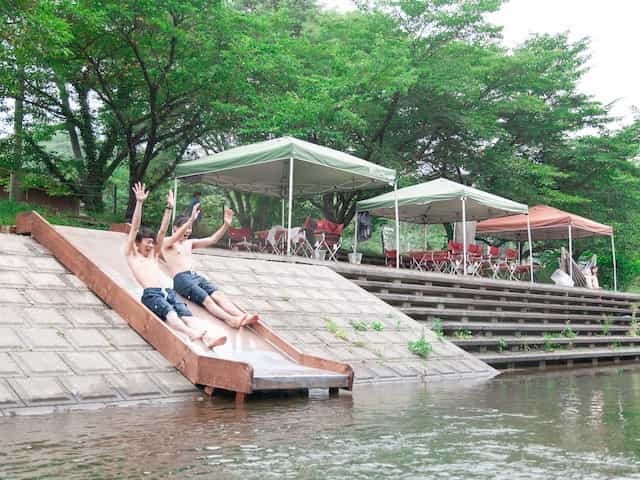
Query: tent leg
pixel 355 234
pixel 175 197
pixel 282 216
pixel 530 248
pixel 464 235
pixel 570 253
pixel 615 272
pixel 395 190
pixel 290 206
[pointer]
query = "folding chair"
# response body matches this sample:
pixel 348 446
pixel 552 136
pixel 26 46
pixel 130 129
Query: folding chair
pixel 328 236
pixel 299 243
pixel 238 238
pixel 475 260
pixel 494 261
pixel 456 260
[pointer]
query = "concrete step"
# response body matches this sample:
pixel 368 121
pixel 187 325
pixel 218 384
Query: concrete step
pixel 505 343
pixel 569 356
pixel 503 328
pixel 426 313
pixel 409 277
pixel 504 295
pixel 407 300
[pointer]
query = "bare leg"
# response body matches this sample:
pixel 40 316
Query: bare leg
pixel 229 307
pixel 207 338
pixel 214 309
pixel 179 325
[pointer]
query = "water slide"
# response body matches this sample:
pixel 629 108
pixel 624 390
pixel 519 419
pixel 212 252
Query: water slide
pixel 252 359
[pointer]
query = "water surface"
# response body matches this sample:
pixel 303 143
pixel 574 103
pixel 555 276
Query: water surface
pixel 563 425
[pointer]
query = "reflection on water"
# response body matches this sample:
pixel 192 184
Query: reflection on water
pixel 569 425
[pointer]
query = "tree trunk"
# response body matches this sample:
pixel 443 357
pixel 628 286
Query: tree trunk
pixel 15 190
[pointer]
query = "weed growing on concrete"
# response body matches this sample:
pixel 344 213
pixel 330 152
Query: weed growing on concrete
pixel 502 344
pixel 359 325
pixel 606 324
pixel 463 334
pixel 398 324
pixel 568 332
pixel 437 328
pixel 377 325
pixel 338 332
pixel 420 347
pixel 549 344
pixel 616 344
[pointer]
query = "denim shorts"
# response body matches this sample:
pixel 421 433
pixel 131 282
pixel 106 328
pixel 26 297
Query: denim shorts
pixel 161 301
pixel 193 287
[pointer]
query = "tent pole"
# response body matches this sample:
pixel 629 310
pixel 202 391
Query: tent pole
pixel 615 273
pixel 570 253
pixel 175 199
pixel 290 206
pixel 425 237
pixel 464 235
pixel 355 235
pixel 530 247
pixel 395 191
pixel 282 202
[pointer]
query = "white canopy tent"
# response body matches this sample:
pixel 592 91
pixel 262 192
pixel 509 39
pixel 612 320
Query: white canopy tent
pixel 441 201
pixel 285 167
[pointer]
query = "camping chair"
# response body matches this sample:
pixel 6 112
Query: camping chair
pixel 511 263
pixel 390 254
pixel 456 254
pixel 276 241
pixel 238 238
pixel 494 261
pixel 299 243
pixel 328 236
pixel 475 259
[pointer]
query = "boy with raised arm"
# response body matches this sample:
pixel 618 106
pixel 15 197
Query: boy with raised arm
pixel 176 251
pixel 142 251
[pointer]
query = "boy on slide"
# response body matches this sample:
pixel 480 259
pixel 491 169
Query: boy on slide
pixel 176 251
pixel 142 251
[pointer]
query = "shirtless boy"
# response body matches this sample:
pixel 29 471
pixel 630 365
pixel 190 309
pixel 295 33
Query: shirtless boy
pixel 176 251
pixel 142 252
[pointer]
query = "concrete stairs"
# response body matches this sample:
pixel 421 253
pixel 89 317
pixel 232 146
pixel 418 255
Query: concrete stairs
pixel 512 325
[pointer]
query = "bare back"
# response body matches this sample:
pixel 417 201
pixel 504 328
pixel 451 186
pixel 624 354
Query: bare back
pixel 146 271
pixel 178 257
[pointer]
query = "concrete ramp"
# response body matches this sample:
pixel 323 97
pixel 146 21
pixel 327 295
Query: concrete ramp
pixel 251 360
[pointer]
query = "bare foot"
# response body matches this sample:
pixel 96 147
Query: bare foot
pixel 197 336
pixel 249 319
pixel 212 342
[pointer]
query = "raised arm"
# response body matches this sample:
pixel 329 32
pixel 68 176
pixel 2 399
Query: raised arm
pixel 179 233
pixel 141 194
pixel 166 219
pixel 217 235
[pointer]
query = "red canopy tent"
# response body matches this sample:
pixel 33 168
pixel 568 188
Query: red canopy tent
pixel 548 223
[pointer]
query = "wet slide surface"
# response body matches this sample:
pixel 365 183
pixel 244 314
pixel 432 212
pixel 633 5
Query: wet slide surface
pixel 272 369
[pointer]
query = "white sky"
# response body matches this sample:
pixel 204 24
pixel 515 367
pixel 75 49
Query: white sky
pixel 612 26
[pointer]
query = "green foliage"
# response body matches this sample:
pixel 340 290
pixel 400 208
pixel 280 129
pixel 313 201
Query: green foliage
pixel 549 343
pixel 607 321
pixel 463 334
pixel 359 325
pixel 502 344
pixel 568 332
pixel 420 347
pixel 437 328
pixel 377 325
pixel 335 330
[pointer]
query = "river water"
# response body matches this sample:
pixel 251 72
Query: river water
pixel 583 424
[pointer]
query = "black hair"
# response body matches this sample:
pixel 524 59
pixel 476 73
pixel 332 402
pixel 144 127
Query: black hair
pixel 197 194
pixel 145 232
pixel 181 220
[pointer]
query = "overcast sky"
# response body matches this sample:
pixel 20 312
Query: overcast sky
pixel 612 26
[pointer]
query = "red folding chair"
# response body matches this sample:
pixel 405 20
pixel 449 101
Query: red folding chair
pixel 328 236
pixel 239 238
pixel 475 259
pixel 456 260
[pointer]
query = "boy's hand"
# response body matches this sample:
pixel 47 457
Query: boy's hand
pixel 171 202
pixel 228 217
pixel 194 213
pixel 140 191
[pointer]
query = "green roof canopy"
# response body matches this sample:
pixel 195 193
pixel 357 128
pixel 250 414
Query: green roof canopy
pixel 439 201
pixel 264 168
